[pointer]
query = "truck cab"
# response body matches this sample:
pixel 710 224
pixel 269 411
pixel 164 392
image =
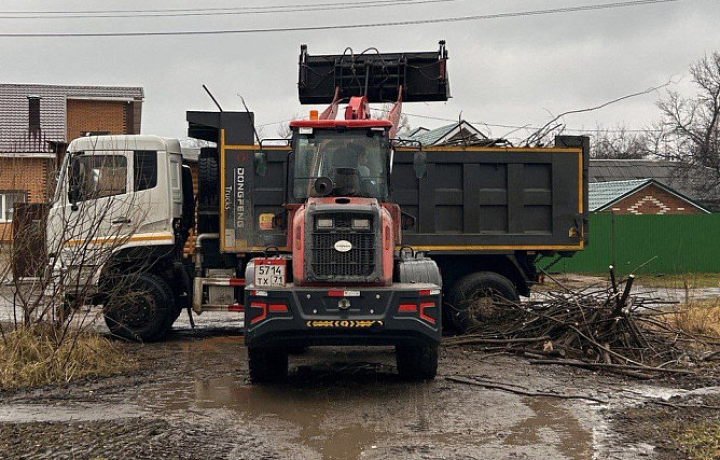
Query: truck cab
pixel 120 202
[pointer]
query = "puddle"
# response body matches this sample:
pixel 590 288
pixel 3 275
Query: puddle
pixel 378 416
pixel 552 424
pixel 325 420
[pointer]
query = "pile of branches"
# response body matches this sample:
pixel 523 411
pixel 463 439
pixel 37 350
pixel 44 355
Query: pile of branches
pixel 597 328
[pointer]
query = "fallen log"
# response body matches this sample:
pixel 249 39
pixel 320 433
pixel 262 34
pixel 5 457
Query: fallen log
pixel 586 365
pixel 476 340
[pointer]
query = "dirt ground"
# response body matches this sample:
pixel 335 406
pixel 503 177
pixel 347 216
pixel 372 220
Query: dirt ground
pixel 192 399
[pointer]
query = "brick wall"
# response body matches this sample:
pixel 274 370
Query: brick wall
pixel 33 176
pixel 653 200
pixel 97 116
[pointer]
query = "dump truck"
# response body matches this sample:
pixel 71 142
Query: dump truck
pixel 341 235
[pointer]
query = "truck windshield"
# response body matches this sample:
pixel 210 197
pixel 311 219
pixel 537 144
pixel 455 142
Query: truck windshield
pixel 326 153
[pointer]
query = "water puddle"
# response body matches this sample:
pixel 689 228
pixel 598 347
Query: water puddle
pixel 377 416
pixel 554 425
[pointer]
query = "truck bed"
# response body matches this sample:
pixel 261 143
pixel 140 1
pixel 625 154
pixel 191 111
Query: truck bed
pixel 494 199
pixel 478 199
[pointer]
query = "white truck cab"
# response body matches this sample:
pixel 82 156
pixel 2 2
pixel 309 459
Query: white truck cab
pixel 117 195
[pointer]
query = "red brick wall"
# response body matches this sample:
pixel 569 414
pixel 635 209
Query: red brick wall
pixel 98 116
pixel 653 200
pixel 34 176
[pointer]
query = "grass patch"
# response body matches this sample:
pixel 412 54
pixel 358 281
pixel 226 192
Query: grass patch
pixel 35 356
pixel 682 281
pixel 701 441
pixel 702 317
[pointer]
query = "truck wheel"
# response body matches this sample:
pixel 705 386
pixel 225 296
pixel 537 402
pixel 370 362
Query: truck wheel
pixel 172 316
pixel 417 363
pixel 473 300
pixel 138 308
pixel 267 364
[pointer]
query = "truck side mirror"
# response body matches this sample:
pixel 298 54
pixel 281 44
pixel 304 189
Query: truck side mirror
pixel 261 163
pixel 420 164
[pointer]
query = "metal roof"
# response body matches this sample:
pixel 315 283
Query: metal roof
pixel 695 182
pixel 451 133
pixel 14 134
pixel 604 193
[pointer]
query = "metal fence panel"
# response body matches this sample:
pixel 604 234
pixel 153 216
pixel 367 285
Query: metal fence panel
pixel 648 244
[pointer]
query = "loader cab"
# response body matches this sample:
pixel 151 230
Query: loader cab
pixel 340 158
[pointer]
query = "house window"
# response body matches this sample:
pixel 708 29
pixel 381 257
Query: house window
pixel 7 204
pixel 34 114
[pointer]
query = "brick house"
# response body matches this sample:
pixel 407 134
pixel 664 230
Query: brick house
pixel 640 197
pixel 36 124
pixel 694 182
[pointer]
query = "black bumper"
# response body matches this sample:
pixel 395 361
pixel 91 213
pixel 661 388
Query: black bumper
pixel 401 314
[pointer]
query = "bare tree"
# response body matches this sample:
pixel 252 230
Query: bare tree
pixel 690 132
pixel 620 143
pixel 81 239
pixel 284 131
pixel 403 125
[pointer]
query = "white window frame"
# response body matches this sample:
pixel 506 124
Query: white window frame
pixel 4 207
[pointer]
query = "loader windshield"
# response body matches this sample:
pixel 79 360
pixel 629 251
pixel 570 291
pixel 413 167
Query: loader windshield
pixel 361 154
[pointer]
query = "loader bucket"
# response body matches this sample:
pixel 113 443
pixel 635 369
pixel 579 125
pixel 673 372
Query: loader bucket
pixel 422 76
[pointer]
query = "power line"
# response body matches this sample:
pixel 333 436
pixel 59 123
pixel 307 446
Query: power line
pixel 528 127
pixel 277 9
pixel 241 8
pixel 595 7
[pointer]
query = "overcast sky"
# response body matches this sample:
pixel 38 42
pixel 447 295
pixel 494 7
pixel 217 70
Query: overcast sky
pixel 505 71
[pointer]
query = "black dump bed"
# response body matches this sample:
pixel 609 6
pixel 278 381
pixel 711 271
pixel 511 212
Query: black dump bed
pixel 495 199
pixel 472 199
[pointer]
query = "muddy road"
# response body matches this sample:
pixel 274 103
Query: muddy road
pixel 192 399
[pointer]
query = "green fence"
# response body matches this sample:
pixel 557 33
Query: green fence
pixel 647 244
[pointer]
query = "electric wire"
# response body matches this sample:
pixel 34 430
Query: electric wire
pixel 240 8
pixel 278 9
pixel 528 127
pixel 570 9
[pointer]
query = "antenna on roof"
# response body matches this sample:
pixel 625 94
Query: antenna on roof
pixel 257 136
pixel 212 97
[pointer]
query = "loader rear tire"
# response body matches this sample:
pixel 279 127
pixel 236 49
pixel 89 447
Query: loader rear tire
pixel 267 365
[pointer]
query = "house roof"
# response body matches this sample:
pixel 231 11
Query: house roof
pixel 449 134
pixel 602 195
pixel 695 182
pixel 14 134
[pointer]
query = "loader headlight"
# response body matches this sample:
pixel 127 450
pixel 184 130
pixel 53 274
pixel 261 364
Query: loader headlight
pixel 324 223
pixel 363 224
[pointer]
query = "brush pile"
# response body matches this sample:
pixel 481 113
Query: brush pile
pixel 606 327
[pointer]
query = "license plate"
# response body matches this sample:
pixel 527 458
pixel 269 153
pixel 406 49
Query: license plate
pixel 269 272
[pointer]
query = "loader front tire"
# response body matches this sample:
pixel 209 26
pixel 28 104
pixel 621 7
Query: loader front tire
pixel 267 365
pixel 417 362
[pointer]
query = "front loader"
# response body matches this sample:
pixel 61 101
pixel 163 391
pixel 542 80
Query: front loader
pixel 342 281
